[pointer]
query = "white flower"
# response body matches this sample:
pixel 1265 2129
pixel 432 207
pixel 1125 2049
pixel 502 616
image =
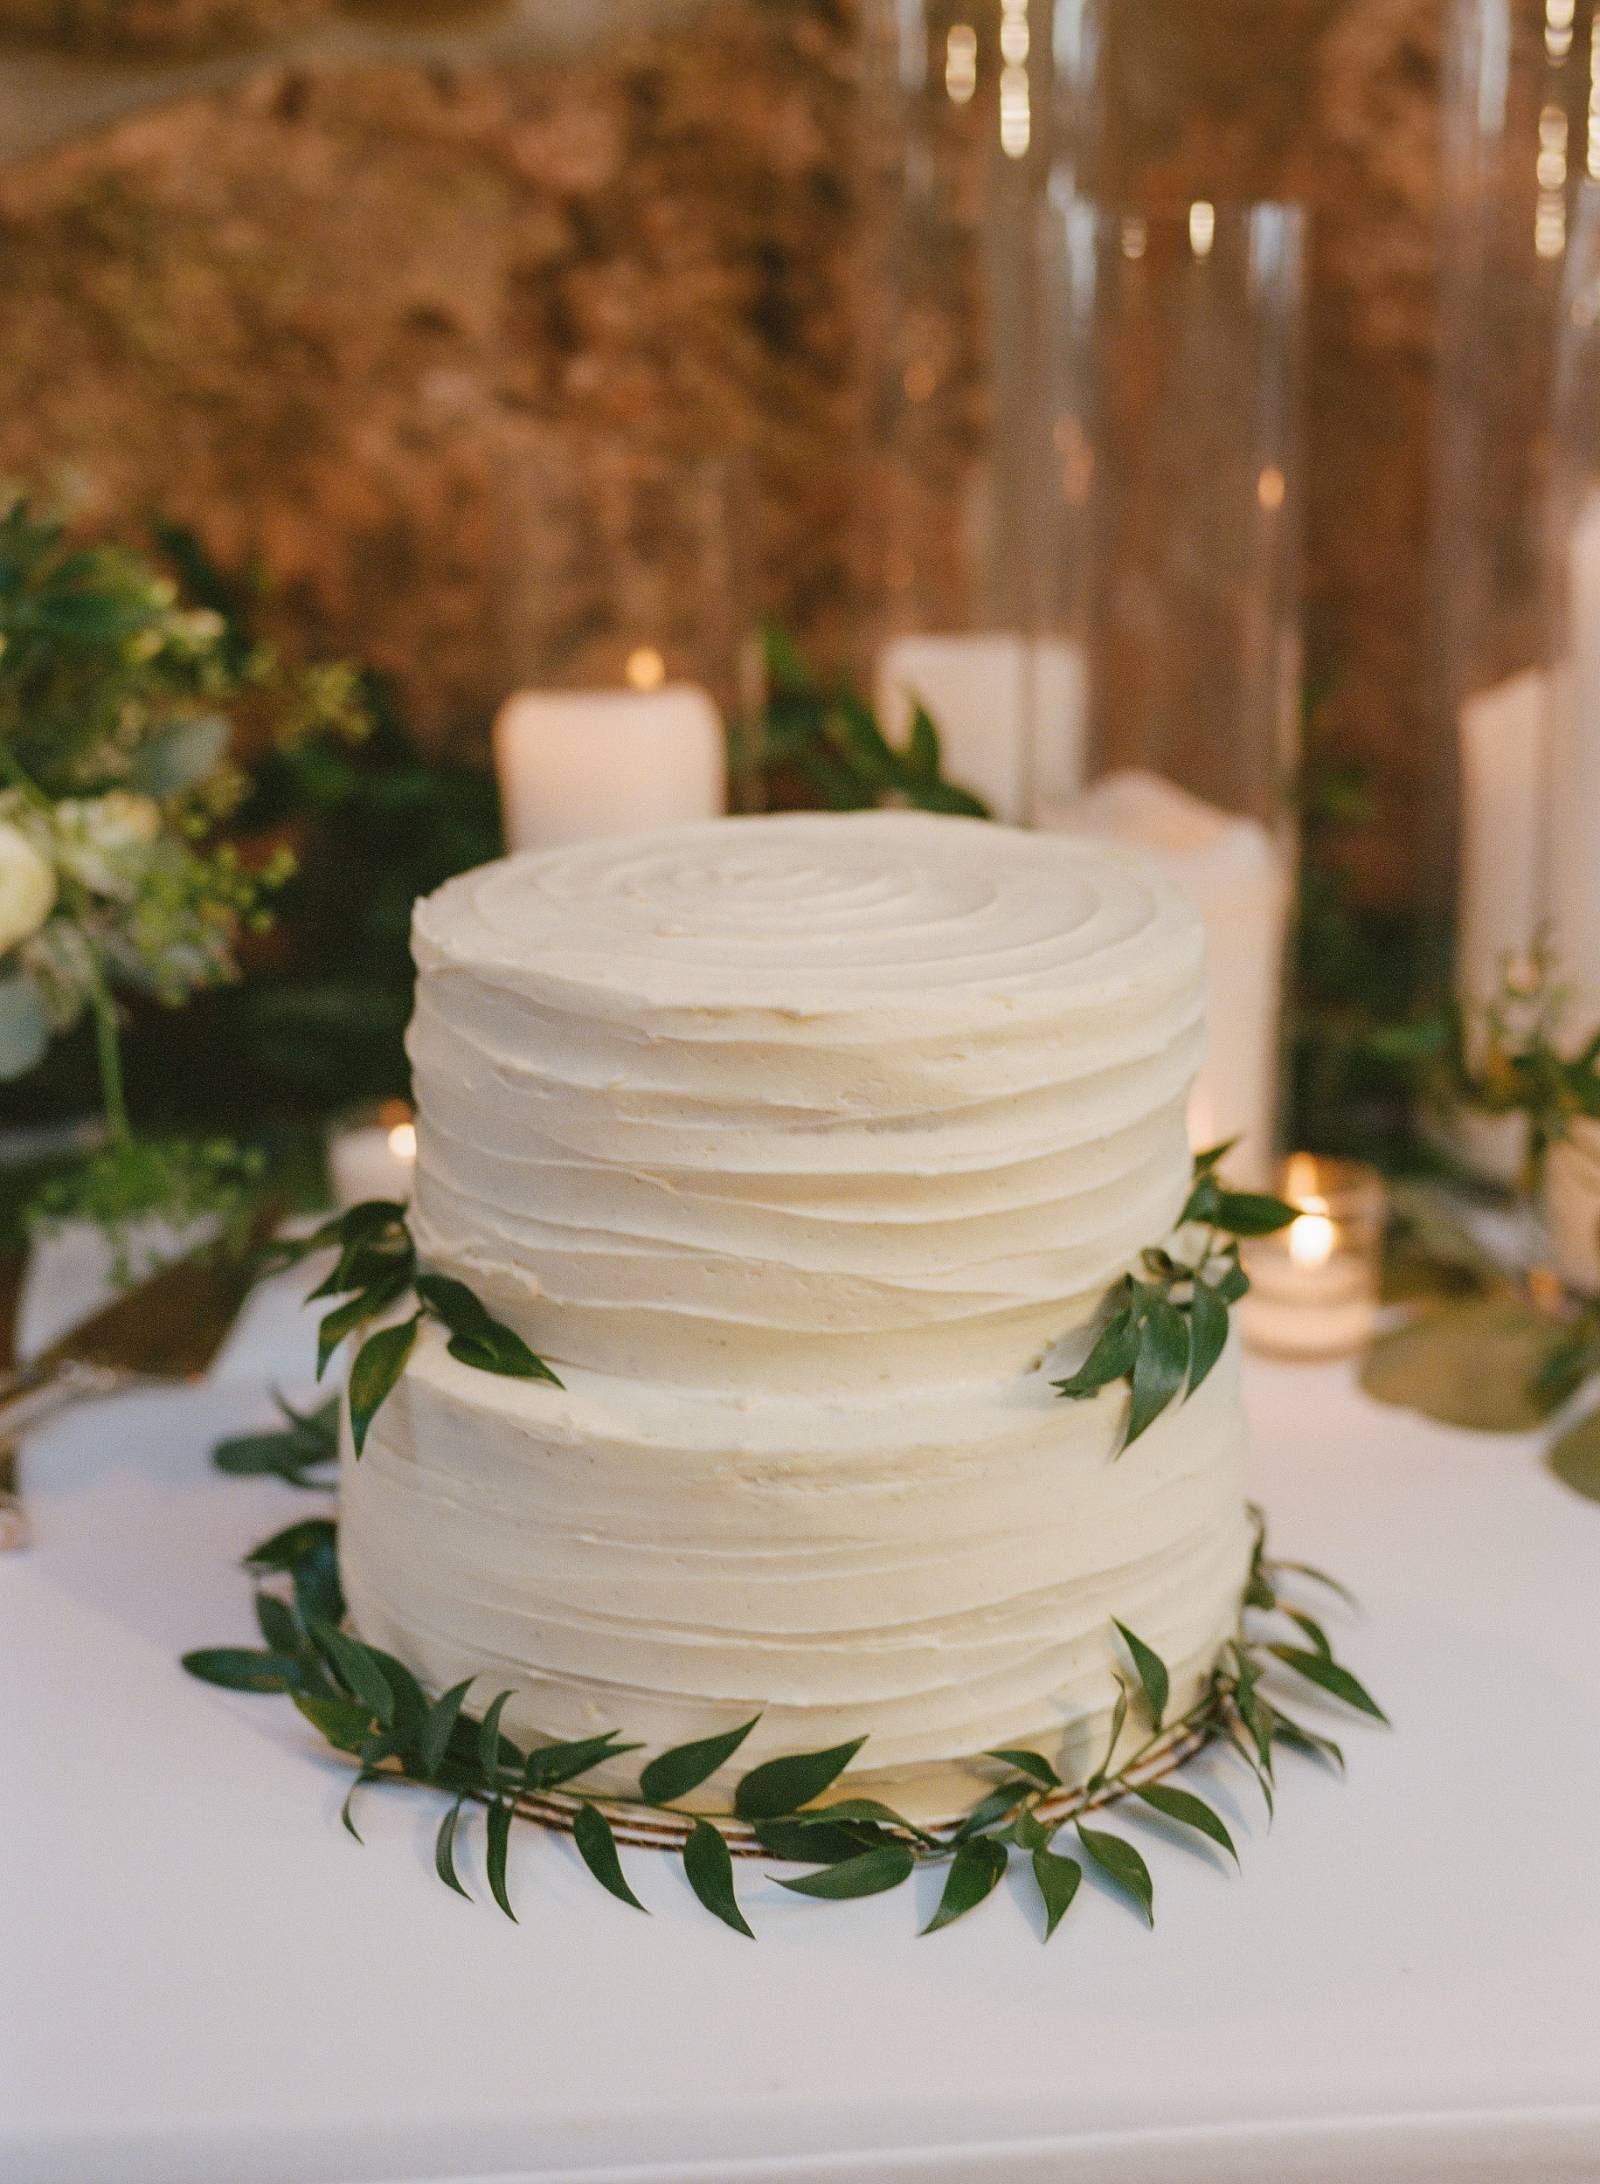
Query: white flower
pixel 27 887
pixel 101 840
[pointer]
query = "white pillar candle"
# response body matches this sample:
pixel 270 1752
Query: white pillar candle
pixel 1238 880
pixel 1572 1206
pixel 1504 742
pixel 577 764
pixel 991 695
pixel 1499 903
pixel 1575 778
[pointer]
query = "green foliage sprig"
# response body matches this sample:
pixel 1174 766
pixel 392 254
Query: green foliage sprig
pixel 1163 1330
pixel 375 1271
pixel 118 704
pixel 832 738
pixel 369 1707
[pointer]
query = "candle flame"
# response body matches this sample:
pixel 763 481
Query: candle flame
pixel 645 668
pixel 1311 1238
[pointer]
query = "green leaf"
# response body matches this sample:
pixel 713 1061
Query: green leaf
pixel 597 1846
pixel 433 1738
pixel 870 1874
pixel 1029 1832
pixel 278 1625
pixel 1473 1364
pixel 1211 1159
pixel 1575 1458
pixel 476 1337
pixel 974 1872
pixel 1313 1630
pixel 379 1363
pixel 1317 1577
pixel 1311 1742
pixel 343 1723
pixel 1330 1676
pixel 347 1815
pixel 1119 1715
pixel 1202 1202
pixel 489 1735
pixel 553 1764
pixel 1031 1764
pixel 499 1832
pixel 674 1773
pixel 1122 1865
pixel 807 1841
pixel 1253 1213
pixel 240 1668
pixel 860 1808
pixel 297 1543
pixel 1189 1811
pixel 1161 1367
pixel 999 1804
pixel 444 1849
pixel 356 1665
pixel 782 1786
pixel 1058 1880
pixel 1234 1284
pixel 345 1318
pixel 710 1870
pixel 1113 1356
pixel 1152 1672
pixel 1208 1331
pixel 922 746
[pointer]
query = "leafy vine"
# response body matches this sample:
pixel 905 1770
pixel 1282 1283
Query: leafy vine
pixel 369 1707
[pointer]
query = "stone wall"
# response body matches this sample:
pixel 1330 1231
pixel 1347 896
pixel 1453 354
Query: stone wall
pixel 321 309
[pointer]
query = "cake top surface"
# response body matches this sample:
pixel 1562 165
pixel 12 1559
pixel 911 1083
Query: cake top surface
pixel 818 913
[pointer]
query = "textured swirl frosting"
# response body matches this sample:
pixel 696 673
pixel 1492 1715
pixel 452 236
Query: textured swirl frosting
pixel 936 1571
pixel 805 1102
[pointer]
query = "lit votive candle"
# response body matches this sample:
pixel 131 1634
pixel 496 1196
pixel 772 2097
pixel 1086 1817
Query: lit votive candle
pixel 372 1153
pixel 1314 1285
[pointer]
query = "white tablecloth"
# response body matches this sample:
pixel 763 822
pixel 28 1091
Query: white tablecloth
pixel 204 1981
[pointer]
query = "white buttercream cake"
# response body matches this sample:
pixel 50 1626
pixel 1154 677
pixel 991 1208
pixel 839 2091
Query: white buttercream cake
pixel 805 1150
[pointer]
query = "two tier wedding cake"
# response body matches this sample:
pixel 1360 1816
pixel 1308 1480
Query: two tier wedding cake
pixel 805 1150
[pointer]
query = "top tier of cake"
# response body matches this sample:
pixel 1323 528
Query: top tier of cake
pixel 806 1103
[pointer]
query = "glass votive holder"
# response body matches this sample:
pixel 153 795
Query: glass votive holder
pixel 372 1153
pixel 1314 1286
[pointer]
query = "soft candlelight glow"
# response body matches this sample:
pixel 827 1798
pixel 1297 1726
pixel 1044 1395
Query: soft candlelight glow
pixel 372 1153
pixel 1311 1238
pixel 645 668
pixel 1314 1286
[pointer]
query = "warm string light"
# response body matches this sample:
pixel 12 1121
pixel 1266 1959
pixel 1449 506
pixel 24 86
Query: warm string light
pixel 961 64
pixel 1016 99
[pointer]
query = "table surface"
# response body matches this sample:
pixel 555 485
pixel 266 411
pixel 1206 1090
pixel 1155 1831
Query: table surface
pixel 202 1977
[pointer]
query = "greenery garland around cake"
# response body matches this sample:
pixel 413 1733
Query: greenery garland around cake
pixel 1161 1333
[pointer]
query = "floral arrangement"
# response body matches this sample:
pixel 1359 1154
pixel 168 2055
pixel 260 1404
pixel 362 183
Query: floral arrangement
pixel 118 711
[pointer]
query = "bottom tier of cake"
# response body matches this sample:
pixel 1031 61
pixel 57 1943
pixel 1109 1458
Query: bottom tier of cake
pixel 938 1574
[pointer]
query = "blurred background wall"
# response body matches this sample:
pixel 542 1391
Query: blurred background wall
pixel 314 279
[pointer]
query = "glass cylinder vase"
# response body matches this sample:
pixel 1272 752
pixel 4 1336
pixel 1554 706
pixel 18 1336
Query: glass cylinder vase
pixel 630 640
pixel 1167 511
pixel 968 97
